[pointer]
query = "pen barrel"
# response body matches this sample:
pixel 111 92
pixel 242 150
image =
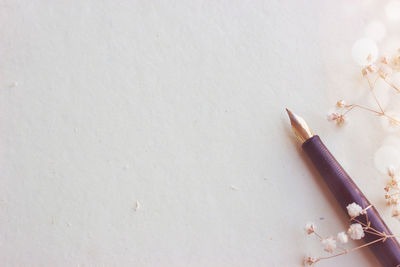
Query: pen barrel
pixel 347 192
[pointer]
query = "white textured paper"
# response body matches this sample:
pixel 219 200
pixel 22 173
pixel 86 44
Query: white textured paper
pixel 153 133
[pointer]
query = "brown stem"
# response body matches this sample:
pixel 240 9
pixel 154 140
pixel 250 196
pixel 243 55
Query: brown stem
pixel 351 250
pixel 392 85
pixel 372 88
pixel 367 226
pixel 352 106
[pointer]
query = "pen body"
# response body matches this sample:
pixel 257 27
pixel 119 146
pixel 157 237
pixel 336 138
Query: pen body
pixel 347 192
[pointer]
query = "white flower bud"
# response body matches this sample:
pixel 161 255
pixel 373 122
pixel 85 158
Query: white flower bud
pixel 354 210
pixel 329 244
pixel 396 211
pixel 309 228
pixel 385 60
pixel 385 71
pixel 340 103
pixel 332 116
pixel 391 171
pixel 310 260
pixel 356 231
pixel 342 237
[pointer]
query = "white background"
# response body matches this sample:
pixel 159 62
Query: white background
pixel 103 103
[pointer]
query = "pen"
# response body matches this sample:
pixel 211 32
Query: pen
pixel 346 192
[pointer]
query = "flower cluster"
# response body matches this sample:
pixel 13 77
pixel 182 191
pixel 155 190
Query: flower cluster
pixel 339 116
pixel 392 192
pixel 356 231
pixel 383 69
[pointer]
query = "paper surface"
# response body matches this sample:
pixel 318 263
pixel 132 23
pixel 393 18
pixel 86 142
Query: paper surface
pixel 180 106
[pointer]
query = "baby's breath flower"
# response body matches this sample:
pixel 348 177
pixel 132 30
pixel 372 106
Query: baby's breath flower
pixel 396 61
pixel 338 118
pixel 392 184
pixel 342 237
pixel 329 244
pixel 396 211
pixel 356 231
pixel 310 260
pixel 391 171
pixel 341 120
pixel 364 72
pixel 369 69
pixel 332 116
pixel 385 71
pixel 354 210
pixel 340 103
pixel 309 228
pixel 385 59
pixel 394 200
pixel 372 68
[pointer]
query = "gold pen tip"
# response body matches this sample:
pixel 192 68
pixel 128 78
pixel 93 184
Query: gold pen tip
pixel 299 126
pixel 289 112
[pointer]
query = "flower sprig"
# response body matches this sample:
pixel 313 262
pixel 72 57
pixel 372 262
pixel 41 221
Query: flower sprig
pixel 356 231
pixel 383 69
pixel 392 192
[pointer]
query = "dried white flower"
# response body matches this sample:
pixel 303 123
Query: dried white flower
pixel 309 228
pixel 391 171
pixel 356 231
pixel 372 68
pixel 385 59
pixel 340 103
pixel 354 210
pixel 396 61
pixel 342 237
pixel 310 260
pixel 369 69
pixel 338 118
pixel 394 200
pixel 332 116
pixel 396 211
pixel 342 119
pixel 385 71
pixel 329 244
pixel 388 198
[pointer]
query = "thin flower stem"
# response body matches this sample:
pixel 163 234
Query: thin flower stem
pixel 391 118
pixel 360 222
pixel 372 88
pixel 332 256
pixel 373 233
pixel 367 244
pixel 374 230
pixel 366 212
pixel 394 194
pixel 352 106
pixel 351 250
pixel 392 85
pixel 367 226
pixel 380 111
pixel 320 237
